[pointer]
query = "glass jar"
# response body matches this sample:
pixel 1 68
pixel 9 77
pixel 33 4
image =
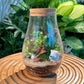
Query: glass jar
pixel 42 48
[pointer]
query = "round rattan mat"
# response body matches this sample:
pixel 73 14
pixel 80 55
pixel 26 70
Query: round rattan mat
pixel 12 71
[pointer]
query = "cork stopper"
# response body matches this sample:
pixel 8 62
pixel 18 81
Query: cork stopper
pixel 42 12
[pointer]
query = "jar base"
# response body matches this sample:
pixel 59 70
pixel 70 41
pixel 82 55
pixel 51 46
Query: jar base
pixel 50 79
pixel 41 71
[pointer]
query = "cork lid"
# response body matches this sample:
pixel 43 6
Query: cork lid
pixel 42 11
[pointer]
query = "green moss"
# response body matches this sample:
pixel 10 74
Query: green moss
pixel 44 56
pixel 27 43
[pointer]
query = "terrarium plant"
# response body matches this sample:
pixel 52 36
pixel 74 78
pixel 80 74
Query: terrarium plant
pixel 41 50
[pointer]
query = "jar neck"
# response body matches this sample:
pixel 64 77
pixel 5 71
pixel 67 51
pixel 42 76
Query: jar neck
pixel 43 14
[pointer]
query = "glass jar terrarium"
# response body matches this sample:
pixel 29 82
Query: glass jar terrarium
pixel 42 48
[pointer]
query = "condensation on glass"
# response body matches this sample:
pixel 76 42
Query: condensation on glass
pixel 42 48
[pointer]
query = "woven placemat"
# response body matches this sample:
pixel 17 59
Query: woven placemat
pixel 12 71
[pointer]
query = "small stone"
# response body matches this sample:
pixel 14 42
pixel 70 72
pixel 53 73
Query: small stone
pixel 33 56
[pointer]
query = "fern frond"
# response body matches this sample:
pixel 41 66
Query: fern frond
pixel 12 26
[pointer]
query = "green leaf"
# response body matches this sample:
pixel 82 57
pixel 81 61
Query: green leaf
pixel 62 31
pixel 74 42
pixel 23 35
pixel 65 8
pixel 26 50
pixel 16 8
pixel 77 12
pixel 23 5
pixel 78 28
pixel 61 24
pixel 29 2
pixel 27 43
pixel 32 51
pixel 66 19
pixel 10 27
pixel 16 33
pixel 55 3
pixel 75 1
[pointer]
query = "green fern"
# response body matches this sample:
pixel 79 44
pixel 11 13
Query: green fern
pixel 12 26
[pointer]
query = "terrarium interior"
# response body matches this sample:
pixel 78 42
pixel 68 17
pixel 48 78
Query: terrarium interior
pixel 42 45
